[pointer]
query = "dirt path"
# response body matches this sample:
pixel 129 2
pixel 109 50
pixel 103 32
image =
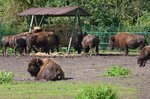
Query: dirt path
pixel 88 69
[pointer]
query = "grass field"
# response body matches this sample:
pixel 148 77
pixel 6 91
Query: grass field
pixel 53 90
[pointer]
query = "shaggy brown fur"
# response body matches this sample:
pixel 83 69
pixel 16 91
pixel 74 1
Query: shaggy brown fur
pixel 144 56
pixel 44 41
pixel 125 41
pixel 90 42
pixel 45 68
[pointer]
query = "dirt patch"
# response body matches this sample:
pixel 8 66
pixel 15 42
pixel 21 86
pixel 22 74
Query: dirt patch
pixel 88 69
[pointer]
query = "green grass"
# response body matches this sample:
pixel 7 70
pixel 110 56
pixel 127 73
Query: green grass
pixel 6 77
pixel 118 51
pixel 53 90
pixel 117 70
pixel 97 93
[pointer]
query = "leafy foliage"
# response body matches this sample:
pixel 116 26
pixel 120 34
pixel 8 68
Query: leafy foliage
pixel 97 93
pixel 107 15
pixel 117 70
pixel 6 77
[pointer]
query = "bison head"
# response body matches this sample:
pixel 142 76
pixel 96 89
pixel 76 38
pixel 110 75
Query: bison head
pixel 141 62
pixel 34 66
pixel 112 42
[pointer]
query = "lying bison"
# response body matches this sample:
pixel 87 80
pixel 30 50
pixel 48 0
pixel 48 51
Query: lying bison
pixel 46 69
pixel 144 56
pixel 125 41
pixel 90 43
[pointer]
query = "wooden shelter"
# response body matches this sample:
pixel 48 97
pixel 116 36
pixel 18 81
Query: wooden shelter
pixel 38 15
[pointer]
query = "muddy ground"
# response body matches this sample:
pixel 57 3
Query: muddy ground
pixel 88 69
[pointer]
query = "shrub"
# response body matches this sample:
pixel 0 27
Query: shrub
pixel 6 77
pixel 97 93
pixel 117 70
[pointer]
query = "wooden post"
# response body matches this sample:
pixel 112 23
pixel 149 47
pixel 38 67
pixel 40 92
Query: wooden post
pixel 40 24
pixel 31 23
pixel 35 20
pixel 73 30
pixel 80 26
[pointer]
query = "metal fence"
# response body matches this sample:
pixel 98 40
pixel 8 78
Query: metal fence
pixel 104 37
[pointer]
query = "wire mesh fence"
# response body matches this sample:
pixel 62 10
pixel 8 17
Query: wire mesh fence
pixel 104 37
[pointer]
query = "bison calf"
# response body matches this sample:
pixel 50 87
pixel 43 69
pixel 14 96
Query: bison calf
pixel 46 69
pixel 144 56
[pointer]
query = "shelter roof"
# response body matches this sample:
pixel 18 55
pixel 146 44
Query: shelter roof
pixel 55 11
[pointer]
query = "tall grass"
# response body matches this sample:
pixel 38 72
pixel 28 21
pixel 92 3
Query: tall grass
pixel 97 93
pixel 117 70
pixel 6 77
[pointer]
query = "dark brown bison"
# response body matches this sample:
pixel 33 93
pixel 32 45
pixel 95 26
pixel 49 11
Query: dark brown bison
pixel 77 43
pixel 44 41
pixel 125 40
pixel 16 42
pixel 90 43
pixel 144 56
pixel 46 69
pixel 20 43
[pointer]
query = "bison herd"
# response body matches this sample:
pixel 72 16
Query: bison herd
pixel 37 40
pixel 47 42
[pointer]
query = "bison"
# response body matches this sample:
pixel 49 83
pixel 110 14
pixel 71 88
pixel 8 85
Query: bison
pixel 8 41
pixel 90 43
pixel 77 42
pixel 15 42
pixel 46 69
pixel 20 43
pixel 44 41
pixel 125 41
pixel 144 56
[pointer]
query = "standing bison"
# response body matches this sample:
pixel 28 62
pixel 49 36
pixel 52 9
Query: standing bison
pixel 44 41
pixel 125 41
pixel 90 43
pixel 144 56
pixel 16 42
pixel 8 41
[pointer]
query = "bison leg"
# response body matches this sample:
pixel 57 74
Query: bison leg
pixel 4 50
pixel 97 50
pixel 126 50
pixel 86 50
pixel 57 48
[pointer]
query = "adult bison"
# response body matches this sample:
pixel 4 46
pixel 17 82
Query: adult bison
pixel 77 42
pixel 20 43
pixel 125 41
pixel 90 43
pixel 44 41
pixel 144 56
pixel 8 41
pixel 46 69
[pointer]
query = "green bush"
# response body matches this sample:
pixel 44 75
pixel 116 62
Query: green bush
pixel 117 70
pixel 6 77
pixel 97 93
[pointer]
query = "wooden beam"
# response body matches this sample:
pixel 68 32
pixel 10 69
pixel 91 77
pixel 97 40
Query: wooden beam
pixel 40 24
pixel 35 20
pixel 73 31
pixel 80 26
pixel 31 23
